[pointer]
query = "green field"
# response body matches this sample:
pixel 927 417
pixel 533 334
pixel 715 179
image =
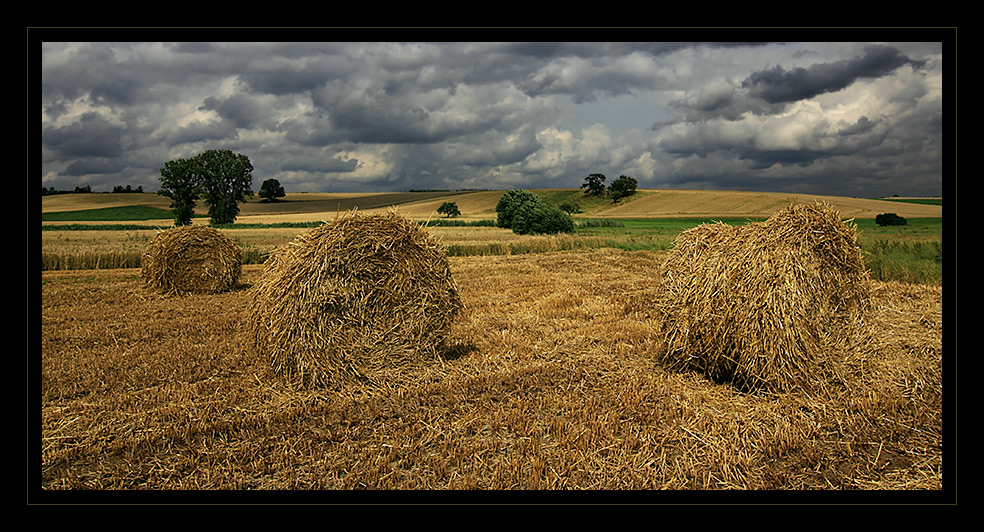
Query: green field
pixel 128 213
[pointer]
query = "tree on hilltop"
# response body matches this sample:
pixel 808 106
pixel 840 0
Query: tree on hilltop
pixel 622 187
pixel 595 184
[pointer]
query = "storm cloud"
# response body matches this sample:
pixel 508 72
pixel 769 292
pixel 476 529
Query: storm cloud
pixel 845 118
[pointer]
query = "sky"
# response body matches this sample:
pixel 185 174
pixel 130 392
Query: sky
pixel 841 118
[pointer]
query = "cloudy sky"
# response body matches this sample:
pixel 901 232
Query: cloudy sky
pixel 844 118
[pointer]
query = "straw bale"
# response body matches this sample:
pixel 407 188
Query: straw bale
pixel 191 260
pixel 353 300
pixel 772 305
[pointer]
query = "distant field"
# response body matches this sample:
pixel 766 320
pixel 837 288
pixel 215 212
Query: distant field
pixel 650 220
pixel 645 204
pixel 127 213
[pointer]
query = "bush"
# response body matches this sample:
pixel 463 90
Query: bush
pixel 525 213
pixel 539 217
pixel 889 218
pixel 509 203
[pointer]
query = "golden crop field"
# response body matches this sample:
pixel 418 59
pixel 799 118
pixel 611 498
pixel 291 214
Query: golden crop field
pixel 549 383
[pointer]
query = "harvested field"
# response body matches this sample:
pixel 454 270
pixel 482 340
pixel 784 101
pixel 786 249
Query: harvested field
pixel 550 382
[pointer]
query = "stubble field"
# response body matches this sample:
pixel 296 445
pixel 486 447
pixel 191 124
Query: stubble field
pixel 549 384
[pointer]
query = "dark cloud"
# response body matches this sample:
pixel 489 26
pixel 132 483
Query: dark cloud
pixel 198 132
pixel 89 166
pixel 398 115
pixel 778 85
pixel 862 126
pixel 319 164
pixel 91 136
pixel 241 110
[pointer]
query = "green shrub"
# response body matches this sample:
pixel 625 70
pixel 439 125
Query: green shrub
pixel 889 218
pixel 509 203
pixel 539 217
pixel 525 213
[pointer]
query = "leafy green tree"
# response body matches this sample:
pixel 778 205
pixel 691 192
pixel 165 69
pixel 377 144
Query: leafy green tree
pixel 622 187
pixel 525 213
pixel 538 217
pixel 509 203
pixel 271 189
pixel 595 184
pixel 449 208
pixel 225 182
pixel 180 180
pixel 220 177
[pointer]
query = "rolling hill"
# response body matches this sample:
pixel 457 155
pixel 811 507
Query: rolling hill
pixel 481 204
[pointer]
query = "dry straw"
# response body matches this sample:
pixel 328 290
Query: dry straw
pixel 773 305
pixel 191 260
pixel 353 300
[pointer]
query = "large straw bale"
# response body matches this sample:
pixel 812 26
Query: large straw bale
pixel 353 300
pixel 772 305
pixel 191 260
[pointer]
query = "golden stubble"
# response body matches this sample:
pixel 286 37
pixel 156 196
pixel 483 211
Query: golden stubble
pixel 549 382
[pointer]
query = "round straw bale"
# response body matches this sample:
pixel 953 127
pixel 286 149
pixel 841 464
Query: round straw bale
pixel 766 305
pixel 191 260
pixel 353 300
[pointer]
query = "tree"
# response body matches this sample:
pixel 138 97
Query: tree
pixel 220 177
pixel 180 181
pixel 622 187
pixel 595 184
pixel 271 189
pixel 538 217
pixel 509 203
pixel 225 182
pixel 525 213
pixel 449 208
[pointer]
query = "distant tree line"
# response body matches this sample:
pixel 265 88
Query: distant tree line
pixel 448 190
pixel 50 191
